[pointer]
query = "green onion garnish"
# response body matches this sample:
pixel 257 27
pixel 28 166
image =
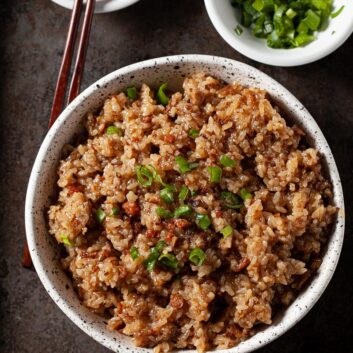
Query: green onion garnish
pixel 100 215
pixel 238 30
pixel 184 165
pixel 65 239
pixel 182 211
pixel 284 24
pixel 134 253
pixel 168 260
pixel 291 13
pixel 335 14
pixel 144 176
pixel 167 195
pixel 203 221
pixel 194 133
pixel 227 162
pixel 197 256
pixel 131 93
pixel 152 259
pixel 227 231
pixel 231 200
pixel 312 20
pixel 155 175
pixel 160 245
pixel 163 213
pixel 162 97
pixel 215 174
pixel 245 194
pixel 183 194
pixel 115 211
pixel 193 192
pixel 112 130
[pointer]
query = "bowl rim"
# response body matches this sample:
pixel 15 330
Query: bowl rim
pixel 279 57
pixel 271 332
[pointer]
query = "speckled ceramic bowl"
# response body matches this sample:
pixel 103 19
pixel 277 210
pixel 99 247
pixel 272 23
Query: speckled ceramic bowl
pixel 44 250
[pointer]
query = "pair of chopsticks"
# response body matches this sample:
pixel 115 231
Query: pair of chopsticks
pixel 61 84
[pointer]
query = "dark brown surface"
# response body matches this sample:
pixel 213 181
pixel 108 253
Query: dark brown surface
pixel 32 40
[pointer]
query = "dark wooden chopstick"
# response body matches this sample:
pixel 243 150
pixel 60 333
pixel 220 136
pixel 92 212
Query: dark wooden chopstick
pixel 81 52
pixel 61 85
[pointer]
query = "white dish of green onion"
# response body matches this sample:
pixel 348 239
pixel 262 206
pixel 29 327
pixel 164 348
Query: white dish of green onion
pixel 280 32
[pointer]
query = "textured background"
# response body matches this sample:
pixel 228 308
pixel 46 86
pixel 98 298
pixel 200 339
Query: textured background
pixel 32 40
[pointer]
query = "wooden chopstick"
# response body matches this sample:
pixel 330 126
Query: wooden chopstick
pixel 64 71
pixel 81 53
pixel 61 85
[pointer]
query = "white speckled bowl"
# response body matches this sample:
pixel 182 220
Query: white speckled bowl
pixel 225 18
pixel 44 250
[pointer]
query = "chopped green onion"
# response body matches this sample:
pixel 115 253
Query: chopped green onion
pixel 335 14
pixel 65 239
pixel 215 174
pixel 291 13
pixel 285 24
pixel 168 260
pixel 194 133
pixel 134 253
pixel 302 39
pixel 193 192
pixel 112 130
pixel 312 20
pixel 197 256
pixel 245 194
pixel 238 30
pixel 160 245
pixel 163 213
pixel 227 231
pixel 231 200
pixel 115 211
pixel 100 215
pixel 227 162
pixel 258 5
pixel 203 221
pixel 162 97
pixel 156 176
pixel 131 93
pixel 167 195
pixel 144 176
pixel 182 211
pixel 184 165
pixel 152 259
pixel 183 194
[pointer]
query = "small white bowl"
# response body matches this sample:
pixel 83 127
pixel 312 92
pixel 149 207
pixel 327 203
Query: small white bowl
pixel 225 18
pixel 102 6
pixel 42 185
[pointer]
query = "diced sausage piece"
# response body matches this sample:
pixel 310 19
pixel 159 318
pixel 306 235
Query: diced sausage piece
pixel 131 208
pixel 219 213
pixel 243 264
pixel 89 255
pixel 169 138
pixel 182 223
pixel 75 188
